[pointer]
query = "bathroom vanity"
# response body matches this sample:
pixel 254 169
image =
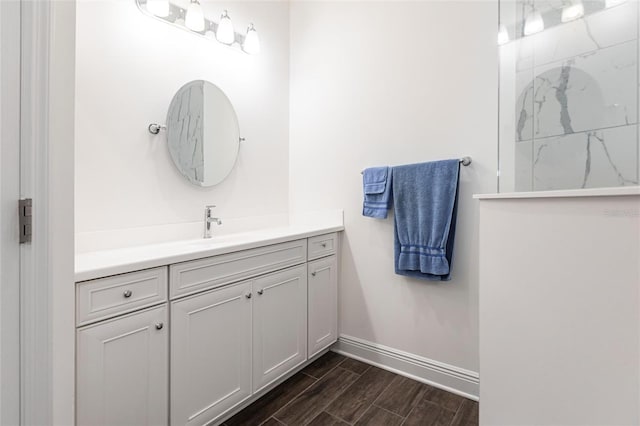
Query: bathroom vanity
pixel 189 332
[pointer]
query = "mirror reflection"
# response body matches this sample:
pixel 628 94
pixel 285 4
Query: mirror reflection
pixel 202 133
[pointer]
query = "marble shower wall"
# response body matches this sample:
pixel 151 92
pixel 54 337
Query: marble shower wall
pixel 569 99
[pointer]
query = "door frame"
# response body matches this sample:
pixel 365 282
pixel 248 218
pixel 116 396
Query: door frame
pixel 35 281
pixel 47 164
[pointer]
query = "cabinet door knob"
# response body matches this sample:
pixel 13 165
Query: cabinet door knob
pixel 127 293
pixel 313 274
pixel 159 326
pixel 248 295
pixel 260 291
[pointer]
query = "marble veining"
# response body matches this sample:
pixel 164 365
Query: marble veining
pixel 524 115
pixel 586 160
pixel 590 91
pixel 622 180
pixel 561 96
pixel 185 132
pixel 574 99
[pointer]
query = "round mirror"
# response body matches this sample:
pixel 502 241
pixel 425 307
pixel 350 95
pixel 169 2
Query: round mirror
pixel 202 133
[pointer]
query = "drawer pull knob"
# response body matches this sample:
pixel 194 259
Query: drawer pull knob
pixel 324 245
pixel 248 295
pixel 159 326
pixel 313 274
pixel 260 291
pixel 127 294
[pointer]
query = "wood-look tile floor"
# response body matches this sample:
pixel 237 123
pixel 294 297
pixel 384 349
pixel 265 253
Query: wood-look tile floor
pixel 338 391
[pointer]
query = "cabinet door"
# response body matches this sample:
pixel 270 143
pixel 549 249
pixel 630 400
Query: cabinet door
pixel 323 304
pixel 279 324
pixel 122 370
pixel 210 354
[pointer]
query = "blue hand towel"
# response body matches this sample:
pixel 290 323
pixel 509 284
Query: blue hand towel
pixel 376 182
pixel 425 206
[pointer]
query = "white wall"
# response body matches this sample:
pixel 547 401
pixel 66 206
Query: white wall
pixel 129 65
pixel 560 311
pixel 387 83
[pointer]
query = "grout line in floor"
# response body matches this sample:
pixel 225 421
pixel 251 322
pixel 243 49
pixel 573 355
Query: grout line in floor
pixel 409 414
pixel 340 418
pixel 294 398
pixel 359 374
pixel 456 414
pixel 384 390
pixel 337 395
pixel 329 371
pixel 389 411
pixel 335 417
pixel 374 401
pixel 305 389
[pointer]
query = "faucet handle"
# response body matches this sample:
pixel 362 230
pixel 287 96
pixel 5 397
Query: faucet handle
pixel 211 206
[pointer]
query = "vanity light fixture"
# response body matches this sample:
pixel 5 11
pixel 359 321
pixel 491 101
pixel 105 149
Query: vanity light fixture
pixel 194 20
pixel 534 23
pixel 251 43
pixel 503 35
pixel 159 8
pixel 612 3
pixel 225 33
pixel 573 11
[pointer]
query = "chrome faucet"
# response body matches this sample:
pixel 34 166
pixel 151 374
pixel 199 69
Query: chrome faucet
pixel 208 219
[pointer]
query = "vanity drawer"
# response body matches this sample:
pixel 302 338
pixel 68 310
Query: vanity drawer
pixel 107 297
pixel 322 245
pixel 194 276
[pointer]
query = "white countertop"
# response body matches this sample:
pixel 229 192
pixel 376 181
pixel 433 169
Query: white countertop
pixel 564 193
pixel 103 263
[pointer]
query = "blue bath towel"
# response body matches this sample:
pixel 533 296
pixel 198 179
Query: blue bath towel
pixel 425 206
pixel 376 185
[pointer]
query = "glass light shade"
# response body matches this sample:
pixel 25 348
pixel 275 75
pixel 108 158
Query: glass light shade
pixel 251 43
pixel 194 19
pixel 503 35
pixel 612 3
pixel 572 12
pixel 158 7
pixel 225 33
pixel 534 23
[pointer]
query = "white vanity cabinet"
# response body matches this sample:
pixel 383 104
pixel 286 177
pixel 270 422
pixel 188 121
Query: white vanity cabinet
pixel 191 342
pixel 122 358
pixel 279 324
pixel 123 369
pixel 233 340
pixel 323 304
pixel 210 353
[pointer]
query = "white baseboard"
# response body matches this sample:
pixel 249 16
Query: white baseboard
pixel 448 377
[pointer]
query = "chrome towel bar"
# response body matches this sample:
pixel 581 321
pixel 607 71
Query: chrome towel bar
pixel 464 160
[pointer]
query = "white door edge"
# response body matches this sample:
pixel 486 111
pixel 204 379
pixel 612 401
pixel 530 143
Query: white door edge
pixel 9 194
